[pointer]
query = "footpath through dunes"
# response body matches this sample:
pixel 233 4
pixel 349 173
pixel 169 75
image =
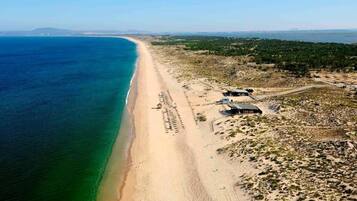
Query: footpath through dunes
pixel 169 155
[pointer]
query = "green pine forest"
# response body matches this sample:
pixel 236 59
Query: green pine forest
pixel 294 56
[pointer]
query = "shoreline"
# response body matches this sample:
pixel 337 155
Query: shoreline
pixel 131 104
pixel 115 174
pixel 168 157
pixel 133 93
pixel 159 159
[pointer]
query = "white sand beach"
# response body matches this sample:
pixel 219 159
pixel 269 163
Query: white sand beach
pixel 170 157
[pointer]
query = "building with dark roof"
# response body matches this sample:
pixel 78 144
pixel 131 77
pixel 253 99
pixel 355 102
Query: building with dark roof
pixel 237 92
pixel 237 108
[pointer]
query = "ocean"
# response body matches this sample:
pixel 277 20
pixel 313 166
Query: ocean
pixel 61 103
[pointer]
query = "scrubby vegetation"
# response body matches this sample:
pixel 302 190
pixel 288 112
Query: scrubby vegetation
pixel 304 145
pixel 294 56
pixel 306 151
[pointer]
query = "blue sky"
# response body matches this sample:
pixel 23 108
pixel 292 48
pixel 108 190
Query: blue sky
pixel 178 15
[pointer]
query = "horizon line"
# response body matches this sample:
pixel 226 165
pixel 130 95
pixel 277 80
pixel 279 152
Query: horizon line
pixel 204 31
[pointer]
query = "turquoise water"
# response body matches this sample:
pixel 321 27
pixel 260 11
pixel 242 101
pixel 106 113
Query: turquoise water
pixel 61 101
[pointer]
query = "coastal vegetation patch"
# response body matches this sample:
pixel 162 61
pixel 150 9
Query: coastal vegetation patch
pixel 296 57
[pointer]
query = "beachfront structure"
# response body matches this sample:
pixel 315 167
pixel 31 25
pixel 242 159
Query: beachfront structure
pixel 237 92
pixel 223 101
pixel 237 108
pixel 249 90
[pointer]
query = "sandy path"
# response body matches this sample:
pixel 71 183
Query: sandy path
pixel 174 165
pixel 292 91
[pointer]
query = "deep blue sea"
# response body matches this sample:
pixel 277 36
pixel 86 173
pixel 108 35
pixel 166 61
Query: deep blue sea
pixel 61 101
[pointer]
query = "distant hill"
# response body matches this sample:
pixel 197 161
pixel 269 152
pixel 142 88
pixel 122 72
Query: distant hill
pixel 53 31
pixel 49 31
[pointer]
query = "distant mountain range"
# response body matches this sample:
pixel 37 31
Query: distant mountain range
pixel 48 31
pixel 52 31
pixel 40 32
